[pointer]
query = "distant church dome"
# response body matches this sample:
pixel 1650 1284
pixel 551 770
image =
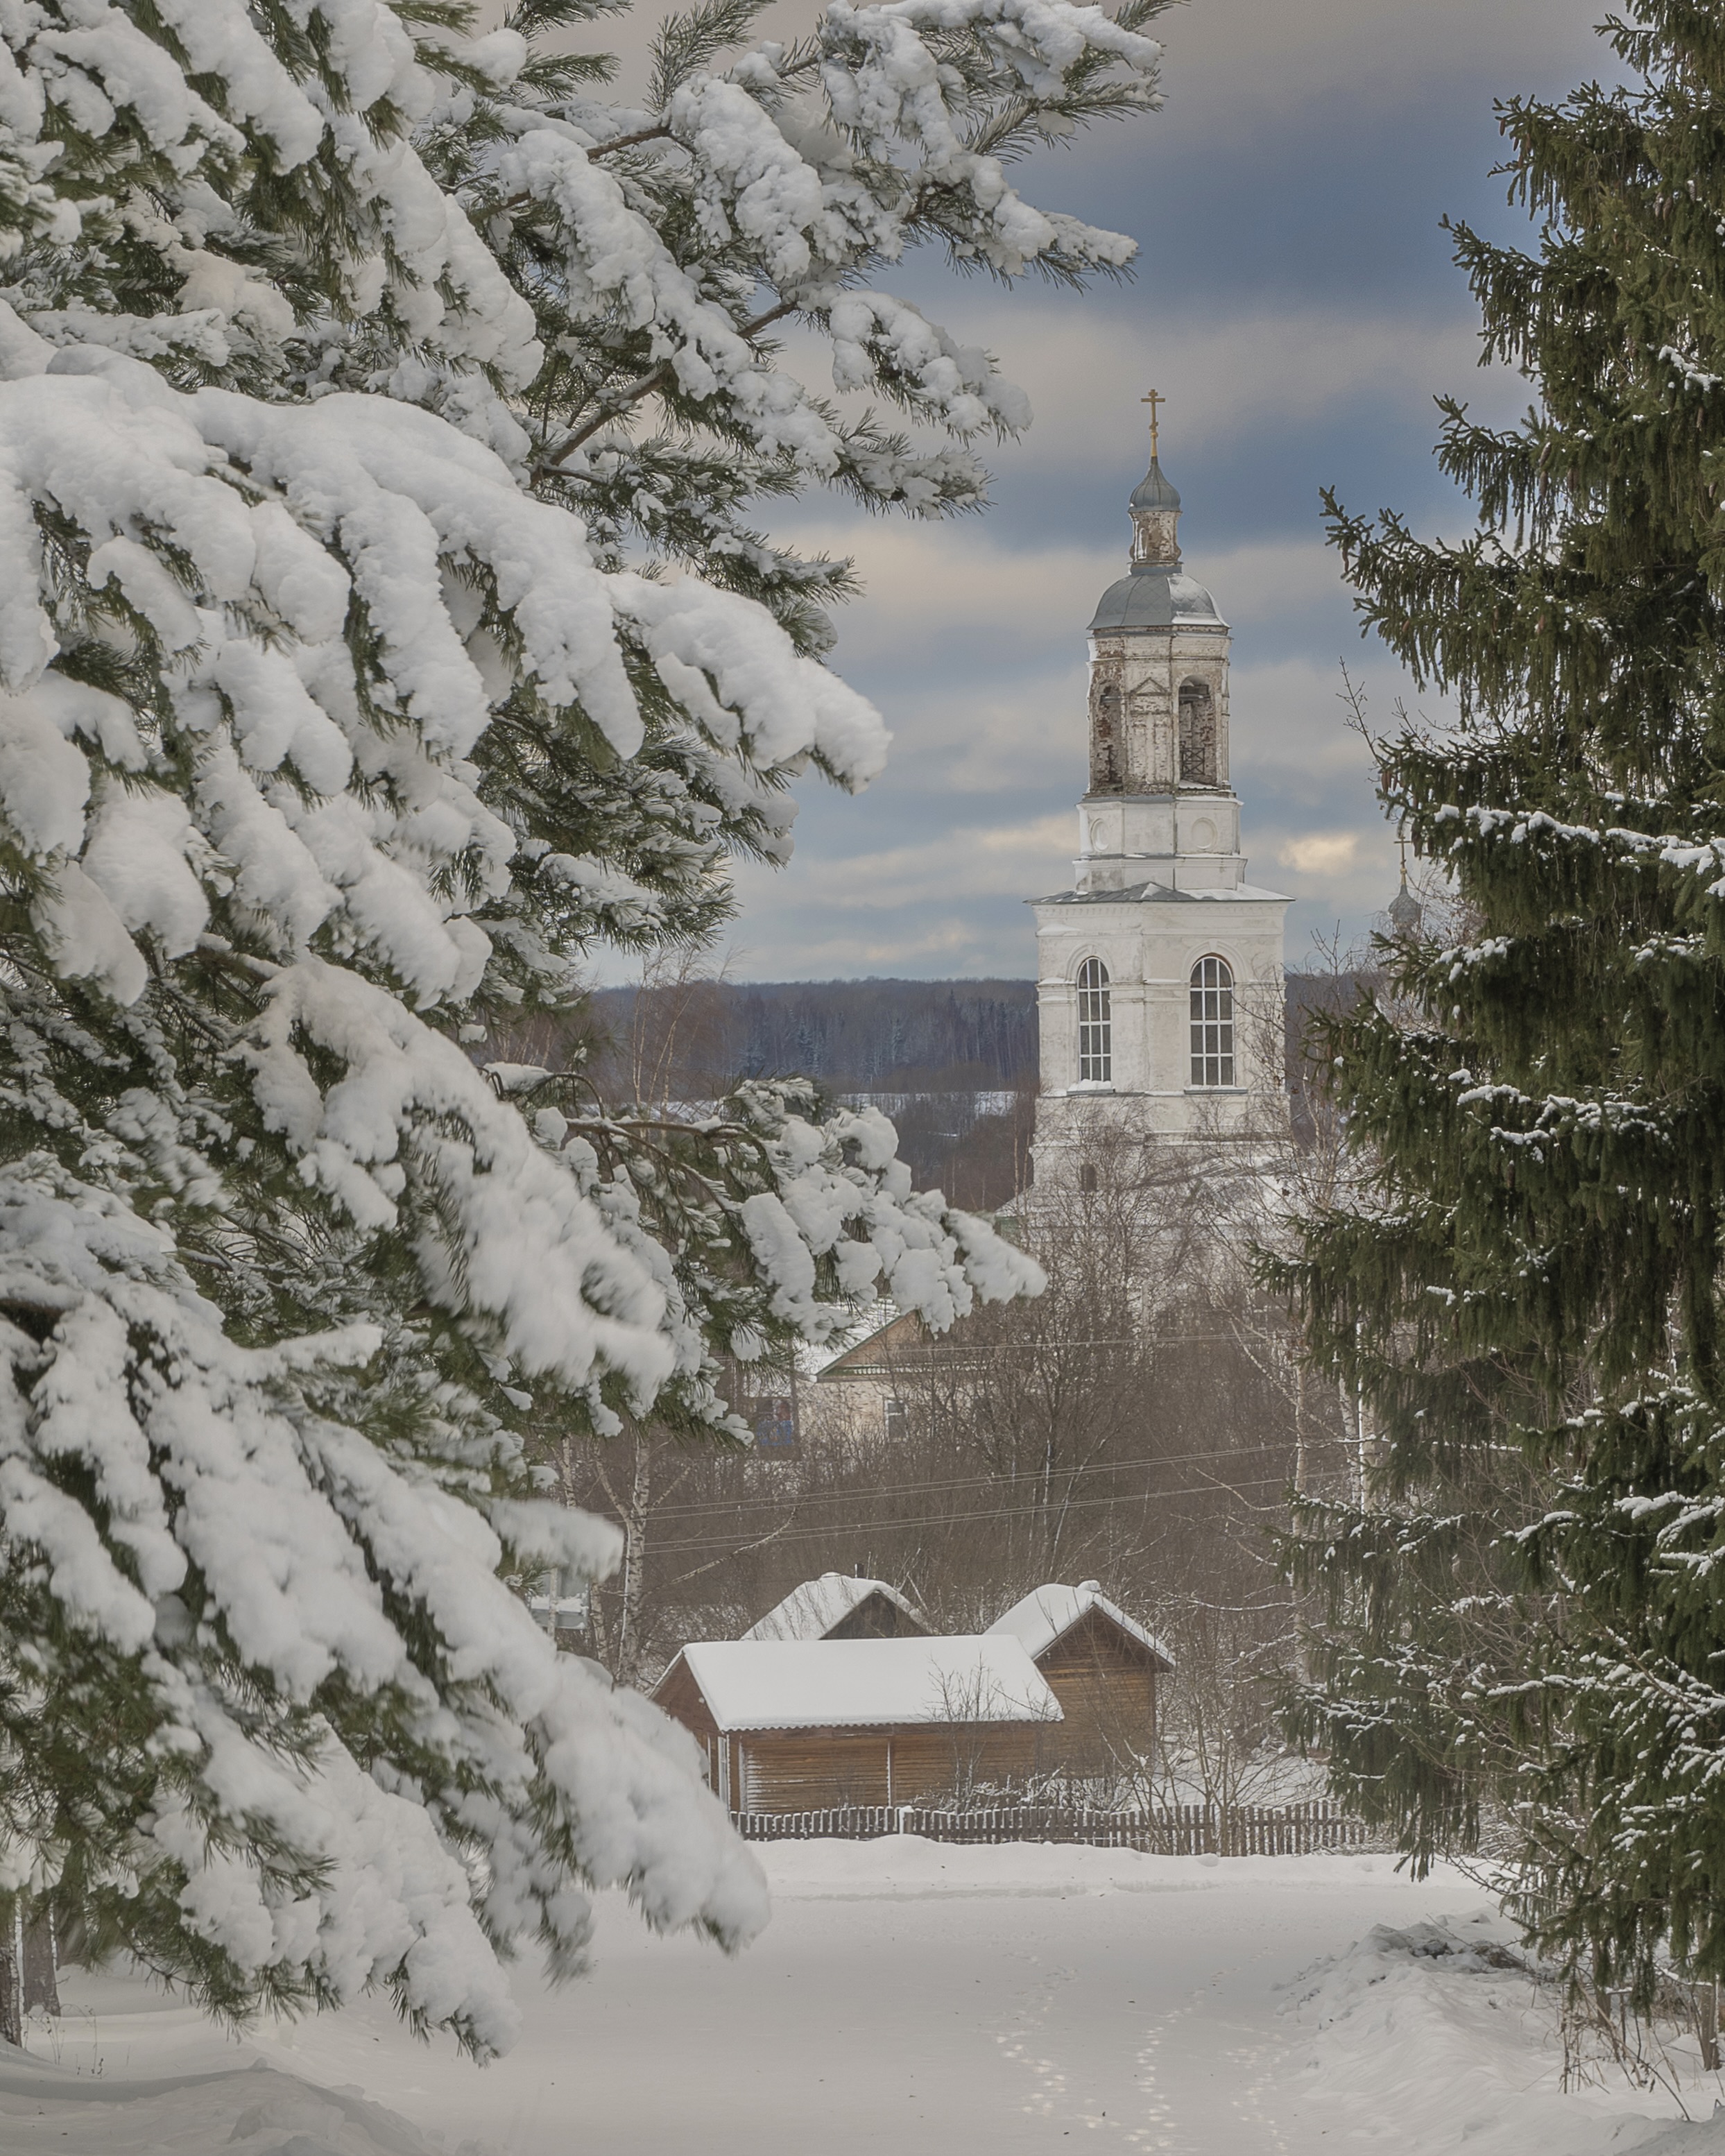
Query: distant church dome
pixel 1405 910
pixel 1157 592
pixel 1155 490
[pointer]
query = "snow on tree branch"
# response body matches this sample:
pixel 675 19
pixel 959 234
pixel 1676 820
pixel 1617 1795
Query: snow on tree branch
pixel 383 629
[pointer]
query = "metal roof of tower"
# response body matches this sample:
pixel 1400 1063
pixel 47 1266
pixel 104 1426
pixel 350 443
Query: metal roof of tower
pixel 1154 596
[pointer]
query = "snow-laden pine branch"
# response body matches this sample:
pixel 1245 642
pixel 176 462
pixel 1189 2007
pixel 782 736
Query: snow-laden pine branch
pixel 383 629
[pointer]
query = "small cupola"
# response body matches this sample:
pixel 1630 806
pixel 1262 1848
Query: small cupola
pixel 1405 911
pixel 1155 507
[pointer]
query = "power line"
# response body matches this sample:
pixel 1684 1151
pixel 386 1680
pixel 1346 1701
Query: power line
pixel 969 1519
pixel 931 1354
pixel 872 1491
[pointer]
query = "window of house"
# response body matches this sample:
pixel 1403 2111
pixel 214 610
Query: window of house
pixel 1212 1023
pixel 1088 1179
pixel 898 1418
pixel 1197 735
pixel 775 1423
pixel 1096 1025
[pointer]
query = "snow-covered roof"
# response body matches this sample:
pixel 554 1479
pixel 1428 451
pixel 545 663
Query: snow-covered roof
pixel 810 1611
pixel 869 1350
pixel 848 1683
pixel 1047 1614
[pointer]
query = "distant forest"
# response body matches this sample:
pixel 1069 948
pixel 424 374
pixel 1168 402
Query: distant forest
pixel 858 1036
pixel 953 1062
pixel 871 1036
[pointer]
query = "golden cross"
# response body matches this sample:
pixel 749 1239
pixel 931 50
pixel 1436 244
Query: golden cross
pixel 1154 400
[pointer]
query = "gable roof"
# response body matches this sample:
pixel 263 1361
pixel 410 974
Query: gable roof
pixel 873 1356
pixel 850 1684
pixel 1047 1614
pixel 810 1611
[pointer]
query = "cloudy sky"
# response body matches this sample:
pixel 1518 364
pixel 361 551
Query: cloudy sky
pixel 1295 301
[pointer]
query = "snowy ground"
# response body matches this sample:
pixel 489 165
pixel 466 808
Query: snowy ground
pixel 935 2000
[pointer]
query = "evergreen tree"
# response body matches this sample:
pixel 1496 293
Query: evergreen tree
pixel 1525 1616
pixel 360 379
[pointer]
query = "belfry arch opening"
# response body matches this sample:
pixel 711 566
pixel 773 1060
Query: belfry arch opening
pixel 1105 743
pixel 1198 734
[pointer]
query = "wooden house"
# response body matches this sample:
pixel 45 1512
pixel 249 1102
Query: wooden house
pixel 872 1385
pixel 870 1374
pixel 838 1607
pixel 803 1725
pixel 1100 1665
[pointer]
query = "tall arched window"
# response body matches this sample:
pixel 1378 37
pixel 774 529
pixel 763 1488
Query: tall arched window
pixel 1212 1023
pixel 1197 735
pixel 1096 1025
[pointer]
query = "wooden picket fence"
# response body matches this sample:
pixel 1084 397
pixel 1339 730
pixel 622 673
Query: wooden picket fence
pixel 1175 1831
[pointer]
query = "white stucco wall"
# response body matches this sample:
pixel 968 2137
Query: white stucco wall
pixel 1150 946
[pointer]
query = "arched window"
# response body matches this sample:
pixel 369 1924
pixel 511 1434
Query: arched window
pixel 1096 1025
pixel 1197 735
pixel 1212 1023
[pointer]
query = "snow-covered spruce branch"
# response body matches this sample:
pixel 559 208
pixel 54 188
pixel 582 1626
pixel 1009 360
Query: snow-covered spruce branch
pixel 616 401
pixel 330 741
pixel 648 241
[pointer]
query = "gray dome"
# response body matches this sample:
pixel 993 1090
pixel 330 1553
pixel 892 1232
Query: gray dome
pixel 1405 911
pixel 1155 596
pixel 1154 491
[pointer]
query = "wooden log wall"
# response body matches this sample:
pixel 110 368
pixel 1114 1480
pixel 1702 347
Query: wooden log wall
pixel 817 1769
pixel 1105 1683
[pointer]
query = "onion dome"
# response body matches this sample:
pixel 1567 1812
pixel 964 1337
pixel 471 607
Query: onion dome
pixel 1155 490
pixel 1405 911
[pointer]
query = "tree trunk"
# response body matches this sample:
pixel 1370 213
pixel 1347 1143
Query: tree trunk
pixel 1300 1429
pixel 41 1967
pixel 633 1583
pixel 30 1972
pixel 621 1652
pixel 12 1992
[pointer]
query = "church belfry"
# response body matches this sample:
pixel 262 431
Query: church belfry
pixel 1159 974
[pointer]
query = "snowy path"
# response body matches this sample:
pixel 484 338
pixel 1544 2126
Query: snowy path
pixel 941 2002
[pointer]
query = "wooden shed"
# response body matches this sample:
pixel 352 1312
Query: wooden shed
pixel 801 1725
pixel 838 1607
pixel 1100 1665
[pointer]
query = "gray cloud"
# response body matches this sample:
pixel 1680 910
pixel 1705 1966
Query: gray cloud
pixel 1240 60
pixel 1295 303
pixel 1228 369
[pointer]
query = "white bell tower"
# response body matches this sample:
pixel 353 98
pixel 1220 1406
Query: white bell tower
pixel 1159 974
